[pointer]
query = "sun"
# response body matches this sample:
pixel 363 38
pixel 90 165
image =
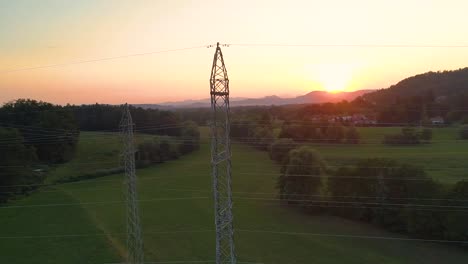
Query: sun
pixel 332 78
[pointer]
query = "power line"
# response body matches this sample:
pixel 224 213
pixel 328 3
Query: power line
pixel 347 45
pixel 185 189
pixel 99 202
pixel 358 177
pixel 186 261
pixel 248 231
pixel 351 236
pixel 326 202
pixel 257 141
pixel 88 181
pixel 310 203
pixel 99 234
pixel 98 60
pixel 244 165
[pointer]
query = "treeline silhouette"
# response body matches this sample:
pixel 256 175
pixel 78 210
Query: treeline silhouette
pixel 35 135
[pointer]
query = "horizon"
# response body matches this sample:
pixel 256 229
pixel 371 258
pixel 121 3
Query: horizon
pixel 359 46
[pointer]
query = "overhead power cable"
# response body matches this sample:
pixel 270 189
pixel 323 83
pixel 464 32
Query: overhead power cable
pixel 97 60
pixel 249 230
pixel 308 203
pixel 185 189
pixel 346 45
pixel 351 236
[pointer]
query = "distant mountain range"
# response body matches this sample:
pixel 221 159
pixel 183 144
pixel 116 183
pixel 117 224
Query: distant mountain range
pixel 309 98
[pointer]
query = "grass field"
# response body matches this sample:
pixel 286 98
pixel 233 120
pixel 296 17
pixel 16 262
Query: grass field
pixel 96 152
pixel 84 222
pixel 444 159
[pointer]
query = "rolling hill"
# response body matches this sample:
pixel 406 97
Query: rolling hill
pixel 441 85
pixel 312 97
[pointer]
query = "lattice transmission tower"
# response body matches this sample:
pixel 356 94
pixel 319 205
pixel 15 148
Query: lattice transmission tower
pixel 134 239
pixel 221 160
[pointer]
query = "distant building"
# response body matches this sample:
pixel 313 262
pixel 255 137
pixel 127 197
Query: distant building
pixel 438 120
pixel 356 119
pixel 441 99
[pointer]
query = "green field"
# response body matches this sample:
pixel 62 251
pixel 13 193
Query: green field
pixel 96 152
pixel 84 222
pixel 444 159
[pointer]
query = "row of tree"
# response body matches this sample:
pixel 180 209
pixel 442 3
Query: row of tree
pixel 320 132
pixel 101 117
pixel 53 130
pixel 50 129
pixel 409 136
pixel 377 191
pixel 163 148
pixel 261 134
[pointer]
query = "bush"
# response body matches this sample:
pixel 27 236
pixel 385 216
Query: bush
pixel 92 175
pixel 426 134
pixel 409 136
pixel 464 132
pixel 157 150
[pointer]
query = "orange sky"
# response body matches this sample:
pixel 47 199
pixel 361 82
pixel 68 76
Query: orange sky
pixel 35 33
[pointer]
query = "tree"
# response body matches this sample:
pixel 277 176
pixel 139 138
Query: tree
pixel 352 135
pixel 262 137
pixel 190 137
pixel 279 150
pixel 373 184
pixel 302 176
pixel 107 117
pixel 455 221
pixel 335 133
pixel 17 165
pixel 51 129
pixel 156 150
pixel 408 136
pixel 426 134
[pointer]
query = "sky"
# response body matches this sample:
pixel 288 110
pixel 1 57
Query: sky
pixel 48 32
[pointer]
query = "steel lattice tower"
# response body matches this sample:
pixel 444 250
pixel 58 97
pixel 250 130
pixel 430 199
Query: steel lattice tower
pixel 221 160
pixel 134 240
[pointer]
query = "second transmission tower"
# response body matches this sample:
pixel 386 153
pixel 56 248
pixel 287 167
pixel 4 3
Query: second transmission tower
pixel 134 240
pixel 221 160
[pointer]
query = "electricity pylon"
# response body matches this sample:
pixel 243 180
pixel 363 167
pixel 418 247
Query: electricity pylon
pixel 221 160
pixel 134 240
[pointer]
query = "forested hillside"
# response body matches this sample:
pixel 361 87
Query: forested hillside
pixel 435 84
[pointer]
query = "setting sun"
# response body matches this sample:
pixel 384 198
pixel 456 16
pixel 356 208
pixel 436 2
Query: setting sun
pixel 334 77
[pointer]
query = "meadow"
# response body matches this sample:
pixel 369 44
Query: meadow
pixel 444 158
pixel 84 222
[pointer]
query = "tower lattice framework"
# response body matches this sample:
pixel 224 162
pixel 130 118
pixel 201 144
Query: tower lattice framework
pixel 134 239
pixel 221 160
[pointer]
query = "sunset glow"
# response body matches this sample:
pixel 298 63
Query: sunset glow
pixel 331 77
pixel 36 33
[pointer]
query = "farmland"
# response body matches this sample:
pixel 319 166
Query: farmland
pixel 84 222
pixel 443 159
